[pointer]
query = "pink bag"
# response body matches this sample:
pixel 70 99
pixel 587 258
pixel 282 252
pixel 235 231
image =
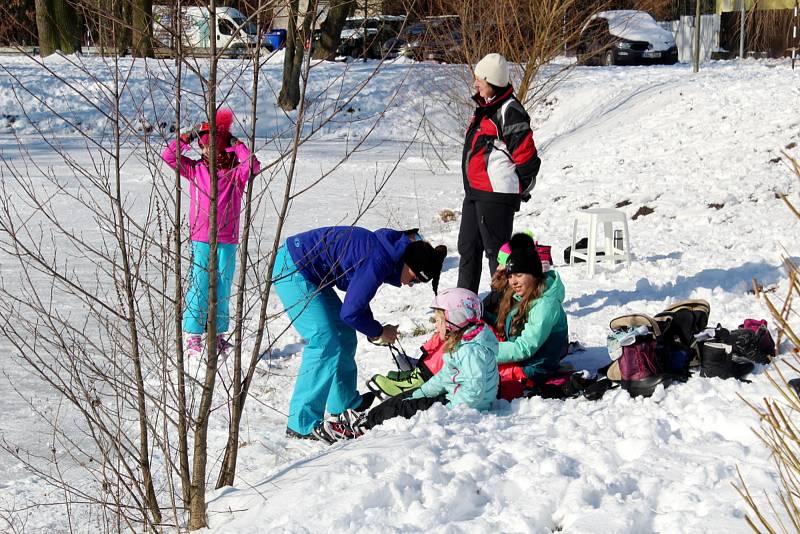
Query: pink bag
pixel 545 256
pixel 753 324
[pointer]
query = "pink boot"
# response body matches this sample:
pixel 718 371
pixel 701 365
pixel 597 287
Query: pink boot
pixel 193 346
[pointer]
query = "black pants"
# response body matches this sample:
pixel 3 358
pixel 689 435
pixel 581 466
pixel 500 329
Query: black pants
pixel 400 407
pixel 485 227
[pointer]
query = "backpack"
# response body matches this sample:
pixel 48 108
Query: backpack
pixel 679 324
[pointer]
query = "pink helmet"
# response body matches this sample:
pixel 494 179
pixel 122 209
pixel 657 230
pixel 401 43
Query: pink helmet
pixel 461 306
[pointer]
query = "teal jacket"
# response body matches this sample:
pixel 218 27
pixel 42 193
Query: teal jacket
pixel 469 374
pixel 538 349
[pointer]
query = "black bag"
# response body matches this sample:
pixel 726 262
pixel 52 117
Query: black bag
pixel 582 244
pixel 679 323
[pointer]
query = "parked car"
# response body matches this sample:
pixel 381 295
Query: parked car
pixel 432 38
pixel 362 38
pixel 625 37
pixel 233 29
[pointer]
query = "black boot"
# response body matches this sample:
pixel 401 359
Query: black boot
pixel 598 389
pixel 717 362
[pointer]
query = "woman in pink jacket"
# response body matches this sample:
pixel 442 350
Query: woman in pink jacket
pixel 233 170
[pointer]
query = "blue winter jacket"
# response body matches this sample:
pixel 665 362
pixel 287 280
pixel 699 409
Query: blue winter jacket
pixel 469 374
pixel 356 261
pixel 538 349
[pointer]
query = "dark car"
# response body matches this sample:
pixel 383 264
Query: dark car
pixel 433 38
pixel 625 37
pixel 362 38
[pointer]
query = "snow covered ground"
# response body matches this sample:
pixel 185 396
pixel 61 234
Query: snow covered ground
pixel 699 150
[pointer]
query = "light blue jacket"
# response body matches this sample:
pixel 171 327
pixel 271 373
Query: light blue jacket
pixel 544 338
pixel 469 374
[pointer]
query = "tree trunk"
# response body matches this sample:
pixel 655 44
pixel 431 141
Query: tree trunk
pixel 48 36
pixel 290 87
pixel 57 23
pixel 289 96
pixel 128 286
pixel 227 471
pixel 183 420
pixel 332 29
pixel 142 22
pixel 197 505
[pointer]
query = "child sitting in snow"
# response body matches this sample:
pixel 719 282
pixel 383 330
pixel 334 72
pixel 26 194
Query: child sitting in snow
pixel 233 171
pixel 468 376
pixel 531 319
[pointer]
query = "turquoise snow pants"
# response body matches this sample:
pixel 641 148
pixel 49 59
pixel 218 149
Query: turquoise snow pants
pixel 328 373
pixel 195 316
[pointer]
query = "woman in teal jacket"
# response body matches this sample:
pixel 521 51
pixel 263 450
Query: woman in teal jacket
pixel 468 376
pixel 532 319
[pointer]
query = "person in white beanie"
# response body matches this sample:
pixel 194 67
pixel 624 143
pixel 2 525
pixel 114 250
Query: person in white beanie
pixel 499 165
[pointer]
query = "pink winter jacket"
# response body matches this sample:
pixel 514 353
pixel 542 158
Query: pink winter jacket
pixel 230 188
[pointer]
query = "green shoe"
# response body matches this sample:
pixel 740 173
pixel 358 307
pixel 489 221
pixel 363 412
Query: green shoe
pixel 399 376
pixel 385 387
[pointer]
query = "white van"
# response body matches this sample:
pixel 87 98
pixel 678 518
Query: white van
pixel 234 31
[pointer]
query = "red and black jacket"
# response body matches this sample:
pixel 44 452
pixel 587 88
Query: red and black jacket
pixel 499 162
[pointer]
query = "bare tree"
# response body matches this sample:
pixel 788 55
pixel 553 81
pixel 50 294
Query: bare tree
pixel 142 21
pixel 331 29
pixel 18 23
pixel 298 35
pixel 57 23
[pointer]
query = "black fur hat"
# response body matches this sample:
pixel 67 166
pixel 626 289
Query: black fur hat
pixel 523 257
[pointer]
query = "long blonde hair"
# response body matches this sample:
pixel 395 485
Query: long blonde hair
pixel 452 337
pixel 524 306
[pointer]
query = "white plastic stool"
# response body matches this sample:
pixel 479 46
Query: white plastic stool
pixel 605 217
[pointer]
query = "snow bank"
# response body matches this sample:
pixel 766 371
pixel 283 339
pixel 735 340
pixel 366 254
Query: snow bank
pixel 341 101
pixel 663 464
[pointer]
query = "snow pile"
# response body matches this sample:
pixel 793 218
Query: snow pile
pixel 538 465
pixel 692 160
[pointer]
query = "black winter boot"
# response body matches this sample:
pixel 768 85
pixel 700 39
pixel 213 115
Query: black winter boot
pixel 717 362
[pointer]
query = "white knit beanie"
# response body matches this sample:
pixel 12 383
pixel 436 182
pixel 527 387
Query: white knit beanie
pixel 494 69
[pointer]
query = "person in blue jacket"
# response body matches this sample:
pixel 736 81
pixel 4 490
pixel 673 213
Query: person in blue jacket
pixel 468 377
pixel 356 261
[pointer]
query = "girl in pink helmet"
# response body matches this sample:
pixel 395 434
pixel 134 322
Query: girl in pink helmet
pixel 469 374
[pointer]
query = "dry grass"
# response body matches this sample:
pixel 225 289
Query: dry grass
pixel 780 415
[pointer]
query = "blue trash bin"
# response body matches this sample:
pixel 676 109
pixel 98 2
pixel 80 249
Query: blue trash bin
pixel 275 39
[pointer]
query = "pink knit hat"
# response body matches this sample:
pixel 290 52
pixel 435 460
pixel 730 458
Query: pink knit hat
pixel 224 121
